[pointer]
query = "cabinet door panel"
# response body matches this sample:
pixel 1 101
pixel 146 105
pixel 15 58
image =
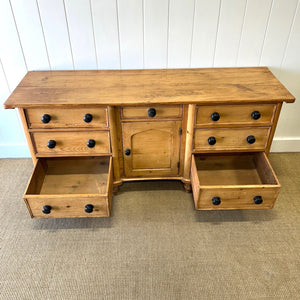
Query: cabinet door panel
pixel 154 148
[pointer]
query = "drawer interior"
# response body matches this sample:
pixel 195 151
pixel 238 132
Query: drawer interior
pixel 56 176
pixel 237 169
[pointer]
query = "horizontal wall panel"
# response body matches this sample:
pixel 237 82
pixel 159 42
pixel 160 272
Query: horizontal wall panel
pixel 31 34
pixel 277 34
pixel 81 34
pixel 156 16
pixel 56 34
pixel 130 13
pixel 205 32
pixel 11 53
pixel 106 33
pixel 10 127
pixel 289 121
pixel 181 16
pixel 253 34
pixel 229 32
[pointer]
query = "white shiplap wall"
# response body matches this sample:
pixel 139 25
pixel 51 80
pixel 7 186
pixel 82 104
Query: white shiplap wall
pixel 127 34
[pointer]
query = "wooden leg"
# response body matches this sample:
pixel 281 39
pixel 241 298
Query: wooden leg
pixel 187 187
pixel 115 189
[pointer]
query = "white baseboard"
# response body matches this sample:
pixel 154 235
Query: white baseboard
pixel 286 145
pixel 14 151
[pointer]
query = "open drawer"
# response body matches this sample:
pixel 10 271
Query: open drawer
pixel 70 187
pixel 239 181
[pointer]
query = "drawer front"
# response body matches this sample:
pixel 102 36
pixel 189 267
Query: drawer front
pixel 236 198
pixel 68 207
pixel 241 181
pixel 71 143
pixel 230 139
pixel 70 187
pixel 152 112
pixel 66 117
pixel 256 114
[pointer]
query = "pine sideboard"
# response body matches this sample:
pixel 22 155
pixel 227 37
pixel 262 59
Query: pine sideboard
pixel 90 131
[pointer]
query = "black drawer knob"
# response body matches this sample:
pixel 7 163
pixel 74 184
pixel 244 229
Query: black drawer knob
pixel 89 208
pixel 127 152
pixel 91 143
pixel 151 112
pixel 87 118
pixel 258 200
pixel 255 115
pixel 216 201
pixel 212 140
pixel 46 209
pixel 215 116
pixel 51 144
pixel 46 118
pixel 251 139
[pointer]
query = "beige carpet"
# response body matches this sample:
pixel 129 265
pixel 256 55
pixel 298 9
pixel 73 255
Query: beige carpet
pixel 155 245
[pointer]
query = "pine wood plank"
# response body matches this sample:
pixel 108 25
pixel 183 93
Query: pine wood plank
pixel 136 87
pixel 236 179
pixel 231 138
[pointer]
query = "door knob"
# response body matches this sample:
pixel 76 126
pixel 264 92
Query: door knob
pixel 89 208
pixel 258 200
pixel 216 201
pixel 91 143
pixel 251 139
pixel 151 112
pixel 46 118
pixel 255 115
pixel 46 209
pixel 87 118
pixel 51 144
pixel 215 116
pixel 211 140
pixel 127 152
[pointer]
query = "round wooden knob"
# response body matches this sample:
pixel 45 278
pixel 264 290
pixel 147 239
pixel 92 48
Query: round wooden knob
pixel 51 144
pixel 216 201
pixel 211 140
pixel 46 209
pixel 255 115
pixel 151 112
pixel 251 139
pixel 91 143
pixel 87 118
pixel 215 116
pixel 46 118
pixel 89 208
pixel 258 200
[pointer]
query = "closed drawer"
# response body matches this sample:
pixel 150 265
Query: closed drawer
pixel 66 117
pixel 70 187
pixel 65 143
pixel 229 139
pixel 241 181
pixel 152 112
pixel 220 115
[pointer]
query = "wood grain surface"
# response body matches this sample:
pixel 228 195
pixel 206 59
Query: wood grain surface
pixel 232 115
pixel 67 185
pixel 134 87
pixel 235 179
pixel 68 117
pixel 71 143
pixel 230 139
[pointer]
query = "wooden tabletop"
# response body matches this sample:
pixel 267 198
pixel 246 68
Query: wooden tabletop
pixel 135 87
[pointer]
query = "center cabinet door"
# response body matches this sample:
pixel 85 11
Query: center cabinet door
pixel 151 149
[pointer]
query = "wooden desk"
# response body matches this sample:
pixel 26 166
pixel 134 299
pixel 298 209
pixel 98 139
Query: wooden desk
pixel 90 131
